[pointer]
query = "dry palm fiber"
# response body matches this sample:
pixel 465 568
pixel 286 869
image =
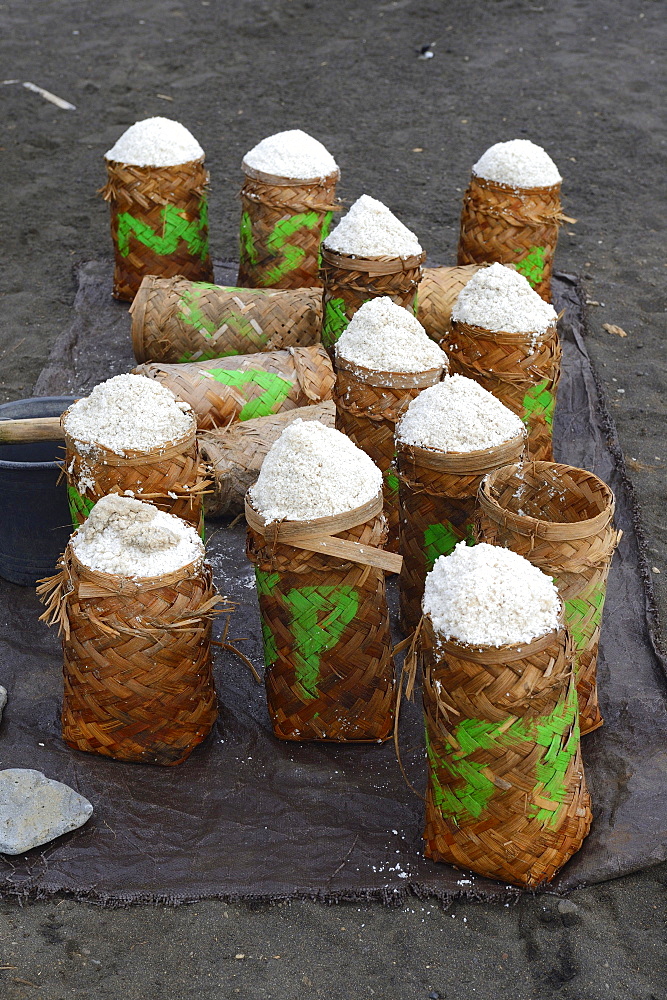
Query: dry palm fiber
pixel 521 369
pixel 169 477
pixel 438 291
pixel 350 281
pixel 233 455
pixel 176 320
pixel 437 501
pixel 250 385
pixel 512 226
pixel 506 793
pixel 368 404
pixel 283 222
pixel 137 660
pixel 561 519
pixel 159 223
pixel 325 624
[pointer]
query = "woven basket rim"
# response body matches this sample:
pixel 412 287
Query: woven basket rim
pixel 483 333
pixel 131 456
pixel 506 653
pixel 525 524
pixel 129 584
pixel 461 461
pixel 395 379
pixel 510 189
pixel 120 164
pixel 330 525
pixel 352 262
pixel 279 180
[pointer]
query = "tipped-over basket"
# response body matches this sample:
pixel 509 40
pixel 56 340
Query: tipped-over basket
pixel 325 624
pixel 561 519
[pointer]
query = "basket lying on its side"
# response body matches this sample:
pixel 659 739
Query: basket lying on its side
pixel 159 223
pixel 169 477
pixel 137 660
pixel 283 222
pixel 250 385
pixel 176 320
pixel 325 624
pixel 506 794
pixel 512 226
pixel 350 281
pixel 233 455
pixel 368 404
pixel 561 519
pixel 521 369
pixel 438 496
pixel 439 289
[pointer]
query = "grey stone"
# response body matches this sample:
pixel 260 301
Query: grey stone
pixel 569 911
pixel 3 698
pixel 35 809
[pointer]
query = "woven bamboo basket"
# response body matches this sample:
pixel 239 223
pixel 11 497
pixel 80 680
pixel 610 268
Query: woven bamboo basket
pixel 512 226
pixel 137 660
pixel 250 385
pixel 566 529
pixel 325 624
pixel 439 289
pixel 233 455
pixel 506 794
pixel 176 320
pixel 368 404
pixel 438 496
pixel 159 223
pixel 170 477
pixel 283 222
pixel 350 281
pixel 521 371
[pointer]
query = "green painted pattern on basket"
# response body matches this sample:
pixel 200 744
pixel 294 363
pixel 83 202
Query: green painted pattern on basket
pixel 576 612
pixel 532 265
pixel 539 402
pixel 247 247
pixel 276 389
pixel 334 321
pixel 277 241
pixel 265 585
pixel 440 539
pixel 319 616
pixel 391 480
pixel 78 505
pixel 327 219
pixel 175 229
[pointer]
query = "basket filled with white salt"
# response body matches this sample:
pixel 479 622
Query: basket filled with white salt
pixel 132 436
pixel 562 519
pixel 449 438
pixel 370 253
pixel 315 536
pixel 439 289
pixel 504 336
pixel 288 199
pixel 176 320
pixel 383 360
pixel 248 385
pixel 134 600
pixel 512 212
pixel 157 192
pixel 506 793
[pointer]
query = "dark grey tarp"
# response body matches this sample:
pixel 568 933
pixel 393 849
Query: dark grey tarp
pixel 248 817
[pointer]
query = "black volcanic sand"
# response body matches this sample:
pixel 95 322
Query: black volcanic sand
pixel 584 79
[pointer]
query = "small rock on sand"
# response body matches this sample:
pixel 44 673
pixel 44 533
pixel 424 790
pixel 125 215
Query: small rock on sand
pixel 3 698
pixel 35 809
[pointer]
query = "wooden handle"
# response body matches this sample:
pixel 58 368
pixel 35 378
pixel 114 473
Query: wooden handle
pixel 30 430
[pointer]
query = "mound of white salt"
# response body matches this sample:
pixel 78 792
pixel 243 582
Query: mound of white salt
pixel 370 229
pixel 498 298
pixel 314 471
pixel 128 413
pixel 518 163
pixel 292 154
pixel 155 142
pixel 459 415
pixel 386 337
pixel 486 595
pixel 130 538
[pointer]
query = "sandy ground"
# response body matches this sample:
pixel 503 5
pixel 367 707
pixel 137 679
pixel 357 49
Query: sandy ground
pixel 583 78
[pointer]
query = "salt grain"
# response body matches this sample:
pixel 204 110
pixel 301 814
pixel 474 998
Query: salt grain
pixel 486 595
pixel 292 154
pixel 498 298
pixel 457 415
pixel 386 337
pixel 519 163
pixel 370 229
pixel 128 413
pixel 314 471
pixel 155 142
pixel 129 538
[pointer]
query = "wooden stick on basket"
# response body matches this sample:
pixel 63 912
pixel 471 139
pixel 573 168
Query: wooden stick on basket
pixel 175 320
pixel 561 519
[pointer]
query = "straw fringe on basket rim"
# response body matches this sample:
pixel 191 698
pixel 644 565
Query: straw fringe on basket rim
pixel 108 190
pixel 528 213
pixel 371 265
